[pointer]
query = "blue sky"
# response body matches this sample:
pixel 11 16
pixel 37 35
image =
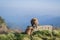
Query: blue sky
pixel 34 6
pixel 25 7
pixel 15 11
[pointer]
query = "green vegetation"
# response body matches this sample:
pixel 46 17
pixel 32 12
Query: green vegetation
pixel 38 35
pixel 1 20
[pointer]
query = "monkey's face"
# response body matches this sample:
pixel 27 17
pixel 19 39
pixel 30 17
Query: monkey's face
pixel 34 22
